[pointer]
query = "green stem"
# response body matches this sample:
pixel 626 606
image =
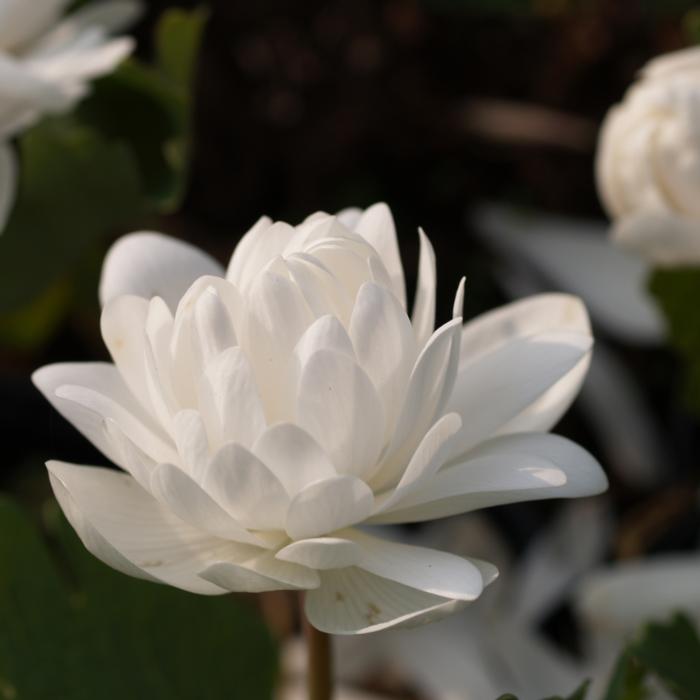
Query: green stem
pixel 320 664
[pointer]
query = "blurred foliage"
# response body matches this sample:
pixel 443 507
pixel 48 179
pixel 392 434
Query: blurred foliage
pixel 668 651
pixel 119 159
pixel 677 292
pixel 74 629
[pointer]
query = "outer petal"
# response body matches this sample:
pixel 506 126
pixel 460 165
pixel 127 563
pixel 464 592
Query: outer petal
pixel 664 239
pixel 21 22
pixel 542 313
pixel 496 388
pixel 259 573
pixel 504 470
pixel 86 394
pixel 8 183
pixel 354 601
pixel 124 526
pixel 263 242
pixel 151 264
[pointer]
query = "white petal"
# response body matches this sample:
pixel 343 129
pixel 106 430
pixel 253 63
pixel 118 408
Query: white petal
pixel 135 525
pixel 192 442
pixel 504 470
pixel 354 601
pixel 424 307
pixel 326 333
pixel 349 217
pixel 242 485
pixel 131 458
pixel 430 455
pixel 384 345
pixel 322 553
pixel 521 319
pixel 8 183
pixel 263 242
pixel 123 324
pixel 150 264
pixel 376 226
pixel 663 239
pixel 338 405
pixel 293 456
pixel 493 390
pixel 86 394
pixel 181 494
pixel 109 15
pixel 259 573
pixel 213 327
pixel 429 389
pixel 329 505
pixel 278 317
pixel 579 257
pixel 21 22
pixel 425 569
pixel 229 400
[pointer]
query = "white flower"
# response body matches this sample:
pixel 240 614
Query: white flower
pixel 262 413
pixel 46 63
pixel 648 162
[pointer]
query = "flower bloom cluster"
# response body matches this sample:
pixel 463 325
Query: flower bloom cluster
pixel 261 414
pixel 46 63
pixel 648 161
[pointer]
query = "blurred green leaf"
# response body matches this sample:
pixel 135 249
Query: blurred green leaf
pixel 628 680
pixel 149 107
pixel 76 189
pixel 671 650
pixel 178 40
pixel 105 635
pixel 677 291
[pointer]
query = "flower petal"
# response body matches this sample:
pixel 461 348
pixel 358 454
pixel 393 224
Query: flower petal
pixel 322 553
pixel 384 345
pixel 134 532
pixel 423 318
pixel 151 264
pixel 86 394
pixel 231 406
pixel 495 389
pixel 329 505
pixel 242 485
pixel 354 601
pixel 186 498
pixel 293 456
pixel 508 469
pixel 376 226
pixel 260 572
pixel 428 570
pixel 339 406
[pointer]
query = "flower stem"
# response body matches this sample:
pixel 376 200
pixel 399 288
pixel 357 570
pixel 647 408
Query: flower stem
pixel 319 677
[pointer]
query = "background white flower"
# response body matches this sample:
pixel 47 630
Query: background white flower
pixel 46 63
pixel 261 413
pixel 648 161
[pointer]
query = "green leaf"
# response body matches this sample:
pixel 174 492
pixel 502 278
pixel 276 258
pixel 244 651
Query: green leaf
pixel 76 630
pixel 672 652
pixel 76 189
pixel 677 291
pixel 628 680
pixel 178 40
